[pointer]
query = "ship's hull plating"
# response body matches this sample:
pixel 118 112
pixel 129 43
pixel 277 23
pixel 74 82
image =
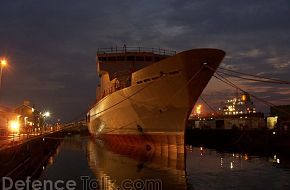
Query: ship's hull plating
pixel 157 108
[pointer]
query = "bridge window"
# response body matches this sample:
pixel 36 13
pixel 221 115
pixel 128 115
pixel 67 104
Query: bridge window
pixel 120 58
pixel 139 58
pixel 102 58
pixel 111 58
pixel 130 58
pixel 156 58
pixel 148 58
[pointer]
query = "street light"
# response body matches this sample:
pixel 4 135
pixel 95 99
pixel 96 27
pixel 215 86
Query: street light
pixel 3 64
pixel 45 115
pixel 14 127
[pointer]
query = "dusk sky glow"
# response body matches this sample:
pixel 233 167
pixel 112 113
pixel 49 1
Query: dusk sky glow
pixel 51 45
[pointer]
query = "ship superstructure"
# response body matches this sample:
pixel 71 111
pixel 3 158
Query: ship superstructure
pixel 239 105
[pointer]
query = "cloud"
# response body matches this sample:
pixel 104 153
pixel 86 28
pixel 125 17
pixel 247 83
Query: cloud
pixel 52 43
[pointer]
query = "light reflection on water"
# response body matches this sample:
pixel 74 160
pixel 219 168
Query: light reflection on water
pixel 205 168
pixel 209 169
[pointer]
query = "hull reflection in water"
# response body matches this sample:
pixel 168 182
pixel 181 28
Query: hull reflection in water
pixel 116 164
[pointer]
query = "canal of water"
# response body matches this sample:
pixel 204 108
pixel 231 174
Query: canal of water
pixel 93 165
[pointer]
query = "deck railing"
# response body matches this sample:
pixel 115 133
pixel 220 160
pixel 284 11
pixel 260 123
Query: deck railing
pixel 110 90
pixel 135 49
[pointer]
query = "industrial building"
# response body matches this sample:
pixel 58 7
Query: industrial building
pixel 281 114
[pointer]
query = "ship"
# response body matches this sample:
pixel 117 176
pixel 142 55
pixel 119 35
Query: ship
pixel 144 96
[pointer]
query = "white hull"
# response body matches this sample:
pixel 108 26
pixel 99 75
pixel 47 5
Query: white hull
pixel 158 105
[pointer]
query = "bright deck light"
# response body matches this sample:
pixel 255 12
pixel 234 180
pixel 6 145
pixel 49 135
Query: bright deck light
pixel 198 109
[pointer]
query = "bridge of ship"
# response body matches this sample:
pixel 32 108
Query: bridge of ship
pixel 121 62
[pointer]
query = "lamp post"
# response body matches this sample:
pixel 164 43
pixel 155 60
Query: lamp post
pixel 45 115
pixel 3 63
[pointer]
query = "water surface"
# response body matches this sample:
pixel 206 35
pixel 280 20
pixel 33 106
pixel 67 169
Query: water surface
pixel 200 168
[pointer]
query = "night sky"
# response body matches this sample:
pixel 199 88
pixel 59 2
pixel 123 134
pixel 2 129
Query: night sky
pixel 51 45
